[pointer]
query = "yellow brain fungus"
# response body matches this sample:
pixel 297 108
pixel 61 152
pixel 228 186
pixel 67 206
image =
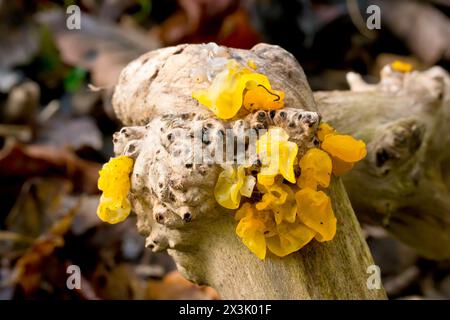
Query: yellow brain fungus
pixel 279 198
pixel 324 130
pixel 316 169
pixel 314 210
pixel 262 98
pixel 115 183
pixel 277 156
pixel 287 211
pixel 225 95
pixel 290 237
pixel 231 185
pixel 401 66
pixel 287 217
pixel 344 150
pixel 258 231
pixel 253 228
pixel 345 147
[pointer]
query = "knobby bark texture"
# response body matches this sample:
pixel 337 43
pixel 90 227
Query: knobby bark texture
pixel 175 204
pixel 404 182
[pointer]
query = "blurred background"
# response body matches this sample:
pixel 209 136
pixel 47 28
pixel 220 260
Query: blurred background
pixel 56 123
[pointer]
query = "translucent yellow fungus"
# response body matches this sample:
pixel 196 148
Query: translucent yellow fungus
pixel 280 199
pixel 324 130
pixel 115 183
pixel 344 147
pixel 112 210
pixel 231 185
pixel 315 168
pixel 224 96
pixel 285 218
pixel 277 155
pixel 344 150
pixel 253 228
pixel 315 211
pixel 290 237
pixel 261 98
pixel 401 66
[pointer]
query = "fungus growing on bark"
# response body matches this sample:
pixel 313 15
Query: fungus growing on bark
pixel 206 213
pixel 114 181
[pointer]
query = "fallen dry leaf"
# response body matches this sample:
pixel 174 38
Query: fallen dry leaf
pixel 28 269
pixel 18 160
pixel 99 46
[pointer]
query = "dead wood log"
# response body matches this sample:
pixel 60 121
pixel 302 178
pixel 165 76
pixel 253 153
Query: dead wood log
pixel 404 182
pixel 175 204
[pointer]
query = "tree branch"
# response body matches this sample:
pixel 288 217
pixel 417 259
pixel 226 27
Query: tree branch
pixel 403 184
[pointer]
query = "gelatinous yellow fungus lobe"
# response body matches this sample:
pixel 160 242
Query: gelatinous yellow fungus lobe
pixel 115 183
pixel 341 167
pixel 344 150
pixel 253 228
pixel 262 98
pixel 280 199
pixel 224 96
pixel 277 155
pixel 401 66
pixel 324 130
pixel 315 211
pixel 344 147
pixel 113 211
pixel 315 168
pixel 290 237
pixel 231 185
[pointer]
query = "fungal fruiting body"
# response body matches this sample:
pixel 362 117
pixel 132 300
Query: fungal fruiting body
pixel 277 155
pixel 114 181
pixel 401 66
pixel 278 193
pixel 283 211
pixel 231 185
pixel 236 86
pixel 344 150
pixel 292 209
